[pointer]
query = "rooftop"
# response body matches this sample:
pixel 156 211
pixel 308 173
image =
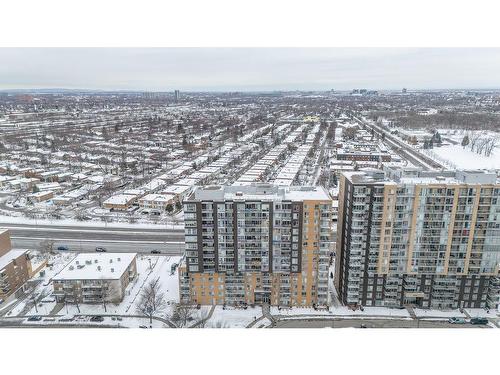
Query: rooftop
pixel 94 266
pixel 260 191
pixel 10 256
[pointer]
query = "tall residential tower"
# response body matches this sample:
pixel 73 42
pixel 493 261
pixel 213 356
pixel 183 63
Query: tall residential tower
pixel 431 239
pixel 257 244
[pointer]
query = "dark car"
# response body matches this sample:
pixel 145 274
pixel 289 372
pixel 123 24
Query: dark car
pixel 155 252
pixel 97 319
pixel 34 318
pixel 100 249
pixel 479 321
pixel 63 248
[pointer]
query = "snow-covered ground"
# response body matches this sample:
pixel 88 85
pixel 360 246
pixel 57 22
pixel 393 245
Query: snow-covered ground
pixel 149 267
pixel 422 313
pixel 455 156
pixel 95 223
pixel 342 311
pixel 233 318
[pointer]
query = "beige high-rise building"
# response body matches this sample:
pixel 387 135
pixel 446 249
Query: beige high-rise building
pixel 429 239
pixel 257 244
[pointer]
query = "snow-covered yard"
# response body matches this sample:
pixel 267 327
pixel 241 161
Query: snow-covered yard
pixel 149 267
pixel 233 318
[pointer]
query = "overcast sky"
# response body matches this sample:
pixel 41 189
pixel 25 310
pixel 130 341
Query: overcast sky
pixel 231 69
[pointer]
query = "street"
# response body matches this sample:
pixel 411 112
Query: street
pixel 370 323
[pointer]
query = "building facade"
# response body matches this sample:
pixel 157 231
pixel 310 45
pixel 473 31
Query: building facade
pixel 256 244
pixel 15 271
pixel 429 239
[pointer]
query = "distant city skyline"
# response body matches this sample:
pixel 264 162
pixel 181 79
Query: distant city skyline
pixel 249 69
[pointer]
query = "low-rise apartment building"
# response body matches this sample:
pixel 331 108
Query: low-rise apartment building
pixel 15 270
pixel 256 244
pixel 95 278
pixel 424 238
pixel 5 244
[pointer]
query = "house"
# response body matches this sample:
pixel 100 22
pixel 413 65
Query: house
pixel 158 202
pixel 40 196
pixel 119 202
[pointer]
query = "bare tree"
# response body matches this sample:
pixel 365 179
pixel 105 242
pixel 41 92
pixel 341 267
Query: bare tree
pixel 203 318
pixel 109 294
pixel 221 324
pixel 182 314
pixel 152 300
pixel 46 247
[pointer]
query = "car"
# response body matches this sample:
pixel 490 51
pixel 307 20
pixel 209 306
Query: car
pixel 66 319
pixel 63 248
pixel 34 318
pixel 48 299
pixel 143 326
pixel 155 252
pixel 363 326
pixel 97 318
pixel 100 249
pixel 479 321
pixel 456 320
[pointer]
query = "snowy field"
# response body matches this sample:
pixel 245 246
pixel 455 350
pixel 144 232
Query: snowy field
pixel 233 318
pixel 456 156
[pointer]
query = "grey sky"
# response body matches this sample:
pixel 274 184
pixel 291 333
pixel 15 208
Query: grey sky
pixel 221 69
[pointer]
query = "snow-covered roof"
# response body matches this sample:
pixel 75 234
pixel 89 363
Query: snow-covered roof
pixel 10 256
pixel 95 266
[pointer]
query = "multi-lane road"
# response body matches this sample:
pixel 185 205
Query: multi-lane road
pixel 168 241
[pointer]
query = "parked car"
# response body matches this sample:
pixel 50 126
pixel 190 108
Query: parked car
pixel 63 248
pixel 97 318
pixel 34 318
pixel 48 299
pixel 456 320
pixel 143 326
pixel 479 321
pixel 100 249
pixel 155 252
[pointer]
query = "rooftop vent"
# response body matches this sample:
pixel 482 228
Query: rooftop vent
pixel 118 259
pixel 98 268
pixel 112 270
pixel 95 260
pixel 111 260
pixel 71 268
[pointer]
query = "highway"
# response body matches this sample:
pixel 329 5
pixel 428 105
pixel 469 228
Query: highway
pixel 169 241
pixel 401 148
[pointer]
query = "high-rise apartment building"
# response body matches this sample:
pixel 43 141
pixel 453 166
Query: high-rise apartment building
pixel 257 244
pixel 177 95
pixel 430 239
